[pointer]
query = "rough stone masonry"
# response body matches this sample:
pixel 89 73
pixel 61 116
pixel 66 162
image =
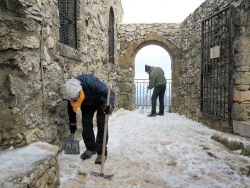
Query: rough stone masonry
pixel 34 64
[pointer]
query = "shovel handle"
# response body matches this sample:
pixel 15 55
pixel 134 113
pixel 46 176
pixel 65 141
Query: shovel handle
pixel 105 131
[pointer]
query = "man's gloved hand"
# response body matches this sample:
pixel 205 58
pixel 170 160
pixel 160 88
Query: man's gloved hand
pixel 108 109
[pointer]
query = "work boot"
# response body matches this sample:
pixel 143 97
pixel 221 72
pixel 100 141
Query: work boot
pixel 160 114
pixel 152 115
pixel 87 154
pixel 99 159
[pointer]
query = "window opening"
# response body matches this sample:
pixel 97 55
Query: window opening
pixel 67 16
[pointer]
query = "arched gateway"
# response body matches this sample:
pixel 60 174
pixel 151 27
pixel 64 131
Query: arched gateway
pixel 148 35
pixel 210 71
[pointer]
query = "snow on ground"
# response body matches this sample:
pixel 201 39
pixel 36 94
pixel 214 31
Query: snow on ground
pixel 168 151
pixel 22 160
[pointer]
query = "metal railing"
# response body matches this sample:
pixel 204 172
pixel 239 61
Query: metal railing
pixel 143 95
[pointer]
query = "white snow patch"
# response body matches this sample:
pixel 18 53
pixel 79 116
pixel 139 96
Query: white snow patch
pixel 23 159
pixel 161 151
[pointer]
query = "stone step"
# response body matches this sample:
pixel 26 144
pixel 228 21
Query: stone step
pixel 234 142
pixel 34 165
pixel 242 128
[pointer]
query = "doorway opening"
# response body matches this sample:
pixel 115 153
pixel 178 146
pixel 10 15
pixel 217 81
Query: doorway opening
pixel 156 56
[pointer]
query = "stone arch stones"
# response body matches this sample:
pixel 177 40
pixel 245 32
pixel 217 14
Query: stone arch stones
pixel 132 38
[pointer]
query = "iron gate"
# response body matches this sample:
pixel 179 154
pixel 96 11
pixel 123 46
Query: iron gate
pixel 217 65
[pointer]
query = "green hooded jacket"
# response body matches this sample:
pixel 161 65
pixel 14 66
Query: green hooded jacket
pixel 156 77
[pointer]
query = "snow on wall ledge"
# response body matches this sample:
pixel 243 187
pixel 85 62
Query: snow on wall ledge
pixel 35 165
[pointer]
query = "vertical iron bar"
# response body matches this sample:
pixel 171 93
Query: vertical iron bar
pixel 217 67
pixel 75 24
pixel 210 66
pixel 140 95
pixel 136 90
pixel 227 68
pixel 231 65
pixel 202 67
pixel 205 67
pixel 66 23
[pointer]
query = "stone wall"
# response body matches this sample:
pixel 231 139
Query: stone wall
pixel 242 63
pixel 34 65
pixel 133 37
pixel 183 43
pixel 189 90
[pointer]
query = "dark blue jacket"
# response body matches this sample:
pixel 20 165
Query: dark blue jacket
pixel 95 90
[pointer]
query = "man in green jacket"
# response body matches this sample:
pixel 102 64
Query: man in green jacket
pixel 157 81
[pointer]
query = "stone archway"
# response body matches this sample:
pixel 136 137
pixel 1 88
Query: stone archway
pixel 127 65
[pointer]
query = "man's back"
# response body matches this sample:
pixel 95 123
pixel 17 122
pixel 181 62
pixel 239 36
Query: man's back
pixel 156 77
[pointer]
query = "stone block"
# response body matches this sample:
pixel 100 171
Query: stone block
pixel 242 59
pixel 241 96
pixel 242 78
pixel 241 111
pixel 242 87
pixel 230 144
pixel 243 68
pixel 242 44
pixel 242 128
pixel 246 150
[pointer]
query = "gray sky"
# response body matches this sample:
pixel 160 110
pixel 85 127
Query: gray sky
pixel 156 11
pixel 152 55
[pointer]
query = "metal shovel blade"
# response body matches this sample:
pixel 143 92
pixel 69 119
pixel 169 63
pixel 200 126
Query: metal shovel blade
pixel 106 176
pixel 72 147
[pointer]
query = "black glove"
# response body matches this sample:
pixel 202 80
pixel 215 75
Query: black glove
pixel 108 109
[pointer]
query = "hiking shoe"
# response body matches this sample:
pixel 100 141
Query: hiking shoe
pixel 160 114
pixel 87 154
pixel 151 115
pixel 99 159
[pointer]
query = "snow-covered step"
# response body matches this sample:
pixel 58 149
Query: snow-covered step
pixel 34 165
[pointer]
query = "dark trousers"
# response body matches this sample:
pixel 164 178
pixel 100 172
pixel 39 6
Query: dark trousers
pixel 91 143
pixel 158 92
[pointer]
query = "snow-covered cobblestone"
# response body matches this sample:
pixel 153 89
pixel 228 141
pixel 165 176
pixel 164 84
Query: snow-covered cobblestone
pixel 168 151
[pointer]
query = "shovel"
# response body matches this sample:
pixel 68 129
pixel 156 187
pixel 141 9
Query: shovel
pixel 71 145
pixel 101 174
